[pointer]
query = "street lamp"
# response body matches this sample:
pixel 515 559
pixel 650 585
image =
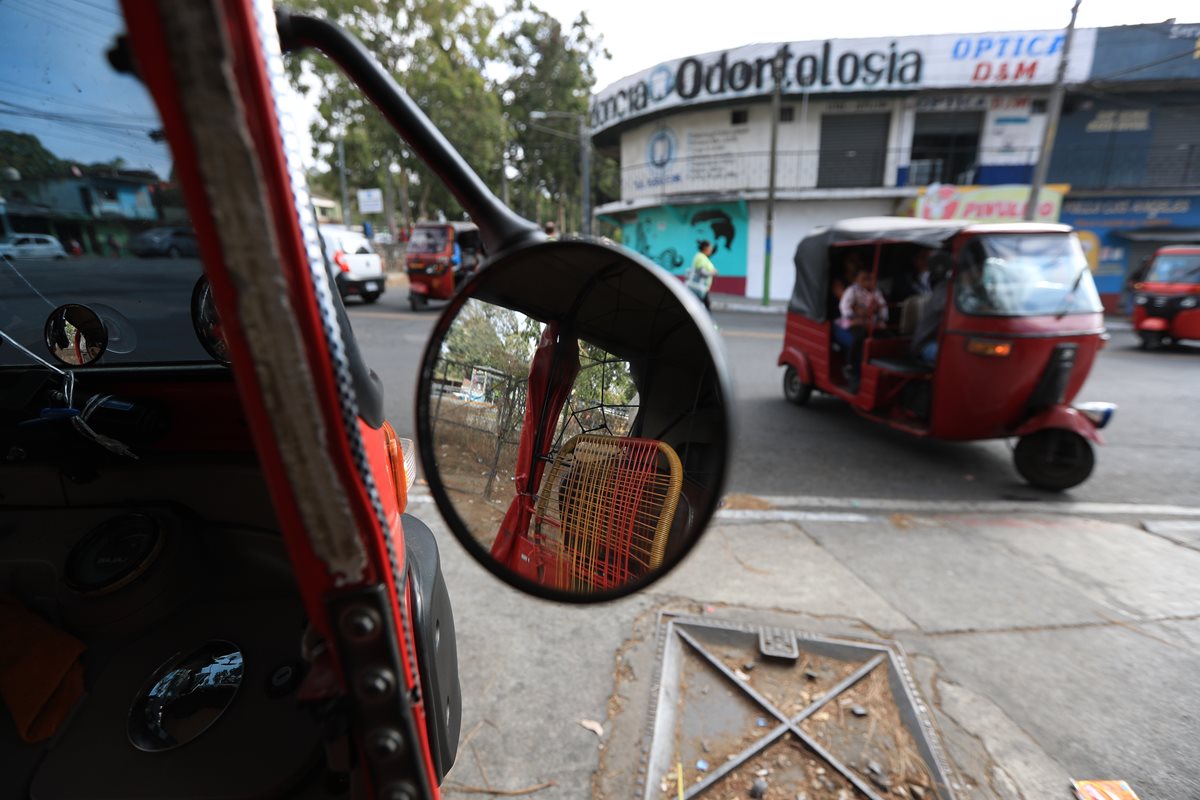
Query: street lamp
pixel 585 163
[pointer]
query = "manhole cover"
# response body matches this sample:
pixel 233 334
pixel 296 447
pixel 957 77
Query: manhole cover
pixel 752 711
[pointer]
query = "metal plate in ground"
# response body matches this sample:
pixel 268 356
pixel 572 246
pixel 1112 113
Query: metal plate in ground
pixel 842 720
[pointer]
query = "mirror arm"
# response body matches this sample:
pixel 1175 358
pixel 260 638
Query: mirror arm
pixel 499 226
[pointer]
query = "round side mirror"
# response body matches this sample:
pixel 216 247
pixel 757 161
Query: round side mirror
pixel 573 419
pixel 207 323
pixel 75 335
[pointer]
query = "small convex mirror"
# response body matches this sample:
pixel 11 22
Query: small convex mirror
pixel 75 335
pixel 573 419
pixel 207 323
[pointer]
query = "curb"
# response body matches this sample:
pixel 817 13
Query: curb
pixel 747 308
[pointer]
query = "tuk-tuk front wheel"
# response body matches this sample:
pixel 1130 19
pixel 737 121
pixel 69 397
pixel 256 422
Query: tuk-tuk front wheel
pixel 795 390
pixel 1054 459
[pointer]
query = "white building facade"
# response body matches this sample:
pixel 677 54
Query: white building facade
pixel 864 124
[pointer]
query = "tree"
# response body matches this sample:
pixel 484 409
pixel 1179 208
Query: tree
pixel 25 153
pixel 551 71
pixel 437 50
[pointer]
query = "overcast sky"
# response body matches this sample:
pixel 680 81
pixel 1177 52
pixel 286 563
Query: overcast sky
pixel 642 33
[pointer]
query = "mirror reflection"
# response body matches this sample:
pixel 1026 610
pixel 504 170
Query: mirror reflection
pixel 207 322
pixel 76 335
pixel 582 451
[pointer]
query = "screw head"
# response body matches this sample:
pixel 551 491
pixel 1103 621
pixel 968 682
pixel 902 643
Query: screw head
pixel 376 683
pixel 360 624
pixel 385 744
pixel 399 791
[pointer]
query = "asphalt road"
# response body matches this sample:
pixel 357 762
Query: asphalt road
pixel 1152 453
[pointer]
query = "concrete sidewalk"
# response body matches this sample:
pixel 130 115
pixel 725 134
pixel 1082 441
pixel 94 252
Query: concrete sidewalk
pixel 1047 646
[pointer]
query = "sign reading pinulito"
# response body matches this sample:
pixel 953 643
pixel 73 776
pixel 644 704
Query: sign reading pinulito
pixel 988 203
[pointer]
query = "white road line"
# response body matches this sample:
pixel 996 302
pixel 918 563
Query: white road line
pixel 755 515
pixel 802 508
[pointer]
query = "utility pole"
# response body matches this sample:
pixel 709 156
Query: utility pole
pixel 1053 112
pixel 342 180
pixel 585 168
pixel 776 104
pixel 585 163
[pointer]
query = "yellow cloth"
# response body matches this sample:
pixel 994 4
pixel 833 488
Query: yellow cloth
pixel 41 677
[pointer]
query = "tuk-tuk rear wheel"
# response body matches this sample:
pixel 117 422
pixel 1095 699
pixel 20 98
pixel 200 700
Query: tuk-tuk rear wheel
pixel 795 390
pixel 1054 459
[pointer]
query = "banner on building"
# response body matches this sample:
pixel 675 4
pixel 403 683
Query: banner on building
pixel 988 203
pixel 1014 59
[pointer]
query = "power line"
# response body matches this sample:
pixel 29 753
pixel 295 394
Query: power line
pixel 37 13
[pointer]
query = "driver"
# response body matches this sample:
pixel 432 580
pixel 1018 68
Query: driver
pixel 924 344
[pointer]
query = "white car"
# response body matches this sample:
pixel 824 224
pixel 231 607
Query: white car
pixel 357 268
pixel 24 246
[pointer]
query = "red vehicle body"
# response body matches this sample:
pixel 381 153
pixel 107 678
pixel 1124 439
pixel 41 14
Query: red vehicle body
pixel 1167 299
pixel 996 375
pixel 439 256
pixel 211 588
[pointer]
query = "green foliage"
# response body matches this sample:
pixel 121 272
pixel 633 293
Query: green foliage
pixel 603 378
pixel 442 53
pixel 551 72
pixel 485 335
pixel 24 152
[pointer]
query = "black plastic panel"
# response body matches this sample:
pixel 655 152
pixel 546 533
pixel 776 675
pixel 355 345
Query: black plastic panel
pixel 437 651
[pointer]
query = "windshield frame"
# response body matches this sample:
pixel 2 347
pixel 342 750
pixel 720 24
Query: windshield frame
pixel 445 235
pixel 1081 281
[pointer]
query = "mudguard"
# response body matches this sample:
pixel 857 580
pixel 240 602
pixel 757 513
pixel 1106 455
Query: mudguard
pixel 792 357
pixel 1062 417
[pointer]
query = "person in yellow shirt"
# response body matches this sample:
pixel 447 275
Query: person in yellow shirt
pixel 701 275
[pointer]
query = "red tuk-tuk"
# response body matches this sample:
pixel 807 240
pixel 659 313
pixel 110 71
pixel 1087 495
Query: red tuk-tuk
pixel 1019 329
pixel 1167 299
pixel 438 258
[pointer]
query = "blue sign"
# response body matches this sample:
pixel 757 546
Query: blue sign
pixel 1103 221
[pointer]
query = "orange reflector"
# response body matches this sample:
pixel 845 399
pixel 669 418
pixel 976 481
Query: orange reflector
pixel 402 459
pixel 985 347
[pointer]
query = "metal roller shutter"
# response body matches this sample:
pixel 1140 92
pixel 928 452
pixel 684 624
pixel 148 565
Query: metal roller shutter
pixel 853 150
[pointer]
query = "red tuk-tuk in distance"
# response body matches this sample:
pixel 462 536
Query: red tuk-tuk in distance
pixel 1020 328
pixel 438 258
pixel 1167 299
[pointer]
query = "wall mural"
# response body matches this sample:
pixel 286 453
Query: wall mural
pixel 670 235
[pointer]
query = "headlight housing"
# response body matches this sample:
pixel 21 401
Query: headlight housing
pixel 1188 302
pixel 1141 299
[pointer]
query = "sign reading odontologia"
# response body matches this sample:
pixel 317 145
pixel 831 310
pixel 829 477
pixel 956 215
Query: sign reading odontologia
pixel 1016 58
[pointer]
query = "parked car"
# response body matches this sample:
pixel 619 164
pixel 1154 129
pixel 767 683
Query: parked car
pixel 33 245
pixel 165 243
pixel 357 268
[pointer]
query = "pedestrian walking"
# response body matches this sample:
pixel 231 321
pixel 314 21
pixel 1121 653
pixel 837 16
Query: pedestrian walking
pixel 700 276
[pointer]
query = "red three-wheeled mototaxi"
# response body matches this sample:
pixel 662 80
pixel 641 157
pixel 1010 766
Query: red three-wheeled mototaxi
pixel 996 342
